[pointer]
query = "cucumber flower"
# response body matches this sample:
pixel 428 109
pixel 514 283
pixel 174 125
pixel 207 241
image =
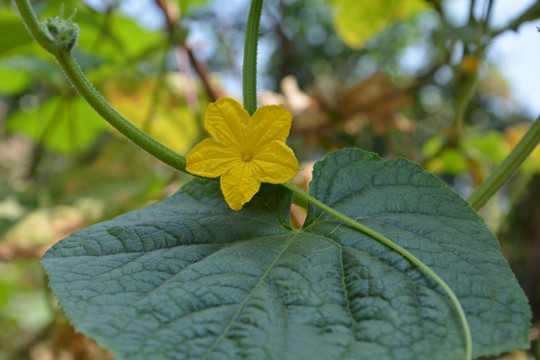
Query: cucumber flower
pixel 246 150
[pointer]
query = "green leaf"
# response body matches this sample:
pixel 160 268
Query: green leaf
pixel 357 22
pixel 171 121
pixel 187 5
pixel 11 24
pixel 13 81
pixel 449 161
pixel 188 278
pixel 64 125
pixel 19 71
pixel 112 38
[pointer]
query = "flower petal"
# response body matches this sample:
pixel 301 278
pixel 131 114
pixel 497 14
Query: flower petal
pixel 275 163
pixel 211 159
pixel 238 185
pixel 270 122
pixel 227 121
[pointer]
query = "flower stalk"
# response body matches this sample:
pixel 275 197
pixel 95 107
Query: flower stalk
pixel 249 82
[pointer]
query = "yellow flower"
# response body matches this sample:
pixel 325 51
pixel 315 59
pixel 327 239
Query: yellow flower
pixel 246 150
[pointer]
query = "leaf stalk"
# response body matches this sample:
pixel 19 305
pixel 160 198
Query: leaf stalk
pixel 507 168
pixel 406 254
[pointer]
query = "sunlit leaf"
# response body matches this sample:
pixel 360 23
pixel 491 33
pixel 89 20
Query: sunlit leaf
pixel 13 81
pixel 356 22
pixel 167 117
pixel 490 147
pixel 120 40
pixel 64 125
pixel 487 149
pixel 449 161
pixel 512 136
pixel 187 5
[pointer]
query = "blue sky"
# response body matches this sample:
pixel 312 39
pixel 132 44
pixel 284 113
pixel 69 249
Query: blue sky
pixel 516 53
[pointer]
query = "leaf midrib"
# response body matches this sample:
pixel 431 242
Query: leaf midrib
pixel 344 285
pixel 248 297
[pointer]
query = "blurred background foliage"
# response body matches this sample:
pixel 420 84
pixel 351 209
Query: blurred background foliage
pixel 343 67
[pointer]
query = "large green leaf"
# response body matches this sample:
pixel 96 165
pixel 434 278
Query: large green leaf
pixel 188 278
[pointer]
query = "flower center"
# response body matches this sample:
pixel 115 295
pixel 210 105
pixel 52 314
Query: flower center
pixel 246 156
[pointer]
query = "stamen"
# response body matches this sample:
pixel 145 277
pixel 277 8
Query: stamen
pixel 247 156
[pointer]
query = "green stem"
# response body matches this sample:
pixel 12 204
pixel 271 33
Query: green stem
pixel 34 26
pixel 488 13
pixel 471 10
pixel 465 92
pixel 85 88
pixel 120 123
pixel 386 241
pixel 250 57
pixel 507 168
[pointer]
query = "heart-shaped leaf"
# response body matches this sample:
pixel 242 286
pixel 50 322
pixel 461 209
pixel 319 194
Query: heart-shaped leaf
pixel 188 278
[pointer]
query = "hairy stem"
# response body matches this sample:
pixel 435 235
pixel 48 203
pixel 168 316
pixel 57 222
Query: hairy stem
pixel 507 168
pixel 85 88
pixel 250 57
pixel 386 241
pixel 120 123
pixel 34 26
